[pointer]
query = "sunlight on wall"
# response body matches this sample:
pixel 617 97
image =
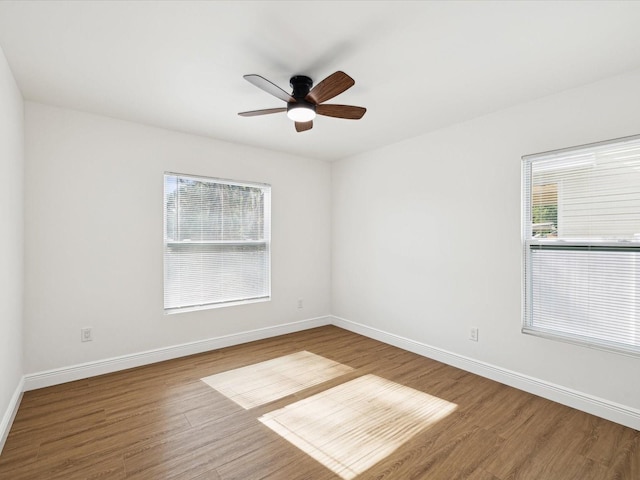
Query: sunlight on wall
pixel 351 427
pixel 265 382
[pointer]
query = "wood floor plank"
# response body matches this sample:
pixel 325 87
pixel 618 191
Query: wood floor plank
pixel 105 464
pixel 274 461
pixel 199 449
pixel 606 442
pixel 427 454
pixel 162 421
pixel 481 474
pixel 459 460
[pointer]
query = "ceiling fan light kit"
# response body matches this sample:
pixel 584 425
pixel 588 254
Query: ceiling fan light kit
pixel 305 102
pixel 301 112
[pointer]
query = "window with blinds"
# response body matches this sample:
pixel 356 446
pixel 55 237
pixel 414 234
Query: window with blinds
pixel 582 244
pixel 216 242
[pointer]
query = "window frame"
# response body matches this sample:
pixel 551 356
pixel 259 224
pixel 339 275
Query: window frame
pixel 265 242
pixel 531 244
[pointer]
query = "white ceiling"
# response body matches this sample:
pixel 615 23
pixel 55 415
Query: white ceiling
pixel 418 66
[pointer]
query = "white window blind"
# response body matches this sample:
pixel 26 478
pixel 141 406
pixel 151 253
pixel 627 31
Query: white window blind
pixel 582 244
pixel 216 242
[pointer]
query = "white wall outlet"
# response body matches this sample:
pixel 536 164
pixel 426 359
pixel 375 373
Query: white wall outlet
pixel 473 334
pixel 300 302
pixel 86 334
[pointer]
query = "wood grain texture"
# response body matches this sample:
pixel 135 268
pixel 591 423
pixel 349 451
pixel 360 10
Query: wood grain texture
pixel 341 111
pixel 333 85
pixel 162 422
pixel 303 126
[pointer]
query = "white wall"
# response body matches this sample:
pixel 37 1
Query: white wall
pixel 11 239
pixel 94 204
pixel 426 236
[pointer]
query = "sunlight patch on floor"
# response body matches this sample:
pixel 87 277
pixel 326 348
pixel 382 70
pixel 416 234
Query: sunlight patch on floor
pixel 351 427
pixel 265 382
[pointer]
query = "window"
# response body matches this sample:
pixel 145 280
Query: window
pixel 582 244
pixel 216 242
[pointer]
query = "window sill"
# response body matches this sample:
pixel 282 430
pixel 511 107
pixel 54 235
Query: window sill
pixel 583 342
pixel 172 311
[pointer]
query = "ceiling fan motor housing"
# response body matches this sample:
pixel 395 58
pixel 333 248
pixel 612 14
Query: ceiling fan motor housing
pixel 301 85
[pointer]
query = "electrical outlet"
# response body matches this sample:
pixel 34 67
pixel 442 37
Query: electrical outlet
pixel 300 303
pixel 473 334
pixel 86 335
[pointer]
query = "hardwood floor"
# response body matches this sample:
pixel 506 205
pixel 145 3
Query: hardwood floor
pixel 435 421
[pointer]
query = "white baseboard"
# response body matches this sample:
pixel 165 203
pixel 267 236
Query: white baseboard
pixel 600 407
pixel 57 376
pixel 10 413
pixel 621 414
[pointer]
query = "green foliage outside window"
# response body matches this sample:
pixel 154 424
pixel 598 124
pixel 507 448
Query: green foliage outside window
pixel 545 220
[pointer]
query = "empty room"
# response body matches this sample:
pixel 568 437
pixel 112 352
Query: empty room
pixel 320 240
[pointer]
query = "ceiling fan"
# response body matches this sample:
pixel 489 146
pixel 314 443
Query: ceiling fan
pixel 305 102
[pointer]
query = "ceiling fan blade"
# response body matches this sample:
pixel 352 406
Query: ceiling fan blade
pixel 269 87
pixel 303 126
pixel 333 85
pixel 266 111
pixel 341 111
